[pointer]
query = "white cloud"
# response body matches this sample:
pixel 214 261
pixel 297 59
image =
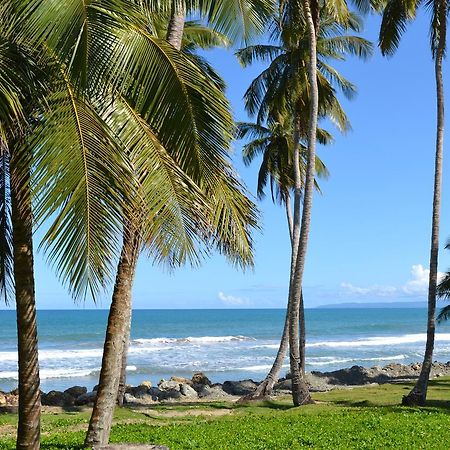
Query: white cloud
pixel 232 300
pixel 415 287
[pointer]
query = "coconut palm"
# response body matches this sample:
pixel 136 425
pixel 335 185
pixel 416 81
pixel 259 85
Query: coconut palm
pixel 195 36
pixel 83 178
pixel 284 87
pixel 227 224
pixel 274 143
pixel 396 16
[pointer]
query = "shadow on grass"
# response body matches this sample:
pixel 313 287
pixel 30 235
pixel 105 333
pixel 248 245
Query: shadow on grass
pixel 442 406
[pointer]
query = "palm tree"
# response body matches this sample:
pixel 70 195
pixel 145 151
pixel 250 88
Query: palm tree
pixel 396 16
pixel 234 18
pixel 226 226
pixel 284 86
pixel 19 84
pixel 195 36
pixel 82 172
pixel 274 143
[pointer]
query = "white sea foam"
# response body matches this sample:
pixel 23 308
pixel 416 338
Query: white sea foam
pixel 131 368
pixel 327 360
pixel 259 368
pixel 53 373
pixel 191 340
pixel 381 341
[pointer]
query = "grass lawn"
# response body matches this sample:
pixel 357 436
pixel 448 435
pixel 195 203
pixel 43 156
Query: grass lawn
pixel 362 418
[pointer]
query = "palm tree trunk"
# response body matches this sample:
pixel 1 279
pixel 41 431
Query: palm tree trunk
pixel 123 370
pixel 266 387
pixel 418 394
pixel 302 338
pixel 28 432
pixel 175 28
pixel 116 332
pixel 300 391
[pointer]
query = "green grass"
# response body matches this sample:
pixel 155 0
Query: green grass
pixel 360 418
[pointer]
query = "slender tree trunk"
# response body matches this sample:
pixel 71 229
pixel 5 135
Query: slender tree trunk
pixel 300 391
pixel 302 309
pixel 175 28
pixel 123 370
pixel 28 432
pixel 418 394
pixel 266 387
pixel 116 333
pixel 302 339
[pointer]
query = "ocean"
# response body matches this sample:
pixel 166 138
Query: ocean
pixel 224 344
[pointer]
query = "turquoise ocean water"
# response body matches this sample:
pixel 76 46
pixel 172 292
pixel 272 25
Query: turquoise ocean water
pixel 225 344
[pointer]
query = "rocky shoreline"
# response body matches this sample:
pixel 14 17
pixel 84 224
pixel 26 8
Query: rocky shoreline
pixel 200 388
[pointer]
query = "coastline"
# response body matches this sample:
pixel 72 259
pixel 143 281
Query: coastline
pixel 199 388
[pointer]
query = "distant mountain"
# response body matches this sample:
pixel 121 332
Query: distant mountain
pixel 375 305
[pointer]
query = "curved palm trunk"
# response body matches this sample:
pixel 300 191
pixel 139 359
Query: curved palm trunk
pixel 300 391
pixel 265 389
pixel 28 432
pixel 116 333
pixel 418 394
pixel 123 371
pixel 175 28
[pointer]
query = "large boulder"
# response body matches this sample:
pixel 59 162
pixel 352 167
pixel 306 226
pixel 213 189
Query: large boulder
pixel 212 392
pixel 243 387
pixel 283 385
pixel 170 394
pixel 138 391
pixel 57 398
pixel 188 391
pixel 170 385
pixel 181 380
pixel 201 378
pixel 86 399
pixel 76 391
pixel 3 398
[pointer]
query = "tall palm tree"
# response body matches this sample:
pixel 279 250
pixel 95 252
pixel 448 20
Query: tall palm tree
pixel 274 143
pixel 82 173
pixel 195 36
pixel 284 86
pixel 396 16
pixel 19 85
pixel 224 221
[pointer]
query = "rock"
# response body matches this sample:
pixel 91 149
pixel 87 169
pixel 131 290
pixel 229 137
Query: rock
pixel 200 378
pixel 139 391
pixel 3 398
pixel 128 398
pixel 85 399
pixel 243 387
pixel 57 398
pixel 147 384
pixel 154 392
pixel 95 388
pixel 188 391
pixel 76 391
pixel 181 380
pixel 170 394
pixel 168 385
pixel 285 385
pixel 15 391
pixel 213 392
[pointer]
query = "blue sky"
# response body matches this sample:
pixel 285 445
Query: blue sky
pixel 371 227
